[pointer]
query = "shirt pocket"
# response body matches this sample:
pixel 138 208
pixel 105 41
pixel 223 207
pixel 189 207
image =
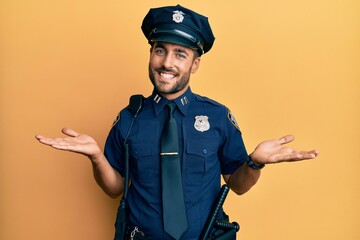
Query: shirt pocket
pixel 142 161
pixel 200 169
pixel 201 157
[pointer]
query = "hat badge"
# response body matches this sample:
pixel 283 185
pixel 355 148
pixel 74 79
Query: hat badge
pixel 178 16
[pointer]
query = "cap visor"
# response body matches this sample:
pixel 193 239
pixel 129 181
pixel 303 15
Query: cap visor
pixel 175 39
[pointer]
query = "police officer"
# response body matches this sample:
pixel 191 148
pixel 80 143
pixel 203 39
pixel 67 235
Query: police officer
pixel 209 139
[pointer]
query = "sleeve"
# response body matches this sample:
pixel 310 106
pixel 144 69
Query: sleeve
pixel 114 149
pixel 232 153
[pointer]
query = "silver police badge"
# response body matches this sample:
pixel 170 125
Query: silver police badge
pixel 178 16
pixel 202 123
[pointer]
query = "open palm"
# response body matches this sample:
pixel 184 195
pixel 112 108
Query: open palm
pixel 75 142
pixel 275 151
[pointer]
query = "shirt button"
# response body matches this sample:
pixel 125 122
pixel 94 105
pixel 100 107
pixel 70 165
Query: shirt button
pixel 205 151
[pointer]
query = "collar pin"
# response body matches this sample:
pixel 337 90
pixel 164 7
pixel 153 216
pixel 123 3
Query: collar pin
pixel 157 98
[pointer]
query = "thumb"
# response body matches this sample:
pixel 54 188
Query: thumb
pixel 286 139
pixel 70 132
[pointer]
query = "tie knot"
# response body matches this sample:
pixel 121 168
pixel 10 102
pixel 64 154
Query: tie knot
pixel 172 107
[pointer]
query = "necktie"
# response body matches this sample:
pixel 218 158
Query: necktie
pixel 174 213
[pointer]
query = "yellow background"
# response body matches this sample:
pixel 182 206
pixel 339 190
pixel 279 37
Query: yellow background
pixel 281 67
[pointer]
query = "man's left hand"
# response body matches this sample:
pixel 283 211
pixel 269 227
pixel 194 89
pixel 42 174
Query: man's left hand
pixel 275 151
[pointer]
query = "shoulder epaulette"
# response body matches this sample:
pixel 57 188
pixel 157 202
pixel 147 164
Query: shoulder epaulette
pixel 208 100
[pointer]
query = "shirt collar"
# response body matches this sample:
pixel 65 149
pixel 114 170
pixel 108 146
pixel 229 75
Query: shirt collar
pixel 182 101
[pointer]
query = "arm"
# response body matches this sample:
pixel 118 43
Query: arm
pixel 242 179
pixel 267 152
pixel 105 175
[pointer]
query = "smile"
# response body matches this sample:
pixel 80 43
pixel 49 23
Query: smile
pixel 167 75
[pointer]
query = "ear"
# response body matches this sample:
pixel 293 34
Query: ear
pixel 196 64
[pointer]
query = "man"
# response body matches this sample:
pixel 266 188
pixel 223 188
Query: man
pixel 208 140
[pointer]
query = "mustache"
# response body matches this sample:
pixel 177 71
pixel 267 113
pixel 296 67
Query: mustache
pixel 164 69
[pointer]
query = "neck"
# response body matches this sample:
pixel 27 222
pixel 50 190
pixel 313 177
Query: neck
pixel 172 96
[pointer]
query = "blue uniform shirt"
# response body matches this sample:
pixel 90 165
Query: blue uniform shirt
pixel 210 145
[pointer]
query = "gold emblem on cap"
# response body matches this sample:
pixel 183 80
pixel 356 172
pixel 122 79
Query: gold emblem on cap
pixel 178 16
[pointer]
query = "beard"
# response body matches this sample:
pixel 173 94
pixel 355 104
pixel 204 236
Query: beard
pixel 179 85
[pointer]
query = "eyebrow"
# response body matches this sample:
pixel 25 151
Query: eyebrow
pixel 178 49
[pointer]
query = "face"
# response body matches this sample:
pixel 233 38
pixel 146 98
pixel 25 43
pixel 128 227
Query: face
pixel 170 68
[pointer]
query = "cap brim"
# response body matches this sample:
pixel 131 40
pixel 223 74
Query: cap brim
pixel 175 39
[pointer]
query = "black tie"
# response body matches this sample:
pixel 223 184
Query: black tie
pixel 174 213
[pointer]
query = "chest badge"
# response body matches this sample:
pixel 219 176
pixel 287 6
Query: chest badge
pixel 202 123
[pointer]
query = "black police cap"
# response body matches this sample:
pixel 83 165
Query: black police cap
pixel 176 24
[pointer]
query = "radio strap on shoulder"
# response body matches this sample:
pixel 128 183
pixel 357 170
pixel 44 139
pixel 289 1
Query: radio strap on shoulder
pixel 135 105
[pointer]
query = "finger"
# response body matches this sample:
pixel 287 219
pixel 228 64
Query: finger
pixel 315 153
pixel 64 147
pixel 303 155
pixel 299 156
pixel 70 132
pixel 44 140
pixel 61 144
pixel 38 137
pixel 286 139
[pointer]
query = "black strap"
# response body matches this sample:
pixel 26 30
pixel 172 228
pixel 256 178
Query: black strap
pixel 135 104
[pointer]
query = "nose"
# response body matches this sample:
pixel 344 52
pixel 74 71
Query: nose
pixel 168 61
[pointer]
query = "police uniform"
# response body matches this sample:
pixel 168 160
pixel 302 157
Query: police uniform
pixel 211 143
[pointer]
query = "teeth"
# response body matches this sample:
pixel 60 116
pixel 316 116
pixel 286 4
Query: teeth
pixel 167 75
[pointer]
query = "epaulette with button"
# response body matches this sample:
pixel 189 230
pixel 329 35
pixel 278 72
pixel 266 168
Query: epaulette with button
pixel 206 99
pixel 230 116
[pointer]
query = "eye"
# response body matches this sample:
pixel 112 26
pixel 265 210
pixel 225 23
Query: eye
pixel 181 56
pixel 160 51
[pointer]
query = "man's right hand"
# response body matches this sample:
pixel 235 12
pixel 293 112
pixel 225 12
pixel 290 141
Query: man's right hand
pixel 75 142
pixel 105 175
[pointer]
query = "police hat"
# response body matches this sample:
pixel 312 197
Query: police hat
pixel 179 25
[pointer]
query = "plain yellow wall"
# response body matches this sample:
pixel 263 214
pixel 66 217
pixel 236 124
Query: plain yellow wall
pixel 281 67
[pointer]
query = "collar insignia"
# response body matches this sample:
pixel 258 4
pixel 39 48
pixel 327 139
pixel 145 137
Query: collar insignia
pixel 157 98
pixel 202 123
pixel 184 101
